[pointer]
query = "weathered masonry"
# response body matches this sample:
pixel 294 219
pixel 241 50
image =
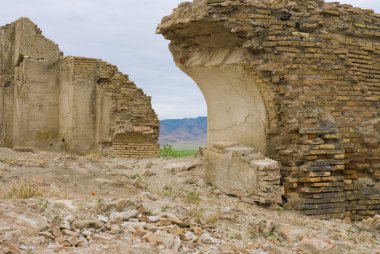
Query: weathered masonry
pixel 299 80
pixel 80 104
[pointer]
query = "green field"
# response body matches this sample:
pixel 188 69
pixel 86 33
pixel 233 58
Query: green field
pixel 178 152
pixel 186 152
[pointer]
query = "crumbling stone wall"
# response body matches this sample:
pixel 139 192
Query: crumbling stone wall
pixel 300 81
pixel 79 104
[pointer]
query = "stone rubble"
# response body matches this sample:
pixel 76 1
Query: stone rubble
pixel 165 217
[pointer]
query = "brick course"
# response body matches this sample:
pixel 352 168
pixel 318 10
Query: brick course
pixel 317 66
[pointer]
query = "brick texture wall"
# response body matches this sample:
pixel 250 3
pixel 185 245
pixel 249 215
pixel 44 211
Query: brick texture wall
pixel 318 67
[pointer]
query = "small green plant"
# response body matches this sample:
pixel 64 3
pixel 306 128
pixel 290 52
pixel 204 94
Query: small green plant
pixel 279 210
pixel 4 161
pixel 192 197
pixel 364 237
pixel 274 237
pixel 197 213
pixel 168 151
pixel 167 191
pixel 43 204
pixel 24 190
pixel 99 203
pixel 134 177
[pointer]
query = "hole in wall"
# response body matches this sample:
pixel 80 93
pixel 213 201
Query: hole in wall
pixel 236 111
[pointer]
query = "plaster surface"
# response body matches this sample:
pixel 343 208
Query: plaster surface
pixel 76 104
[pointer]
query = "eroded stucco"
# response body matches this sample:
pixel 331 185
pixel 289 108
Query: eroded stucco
pixel 77 104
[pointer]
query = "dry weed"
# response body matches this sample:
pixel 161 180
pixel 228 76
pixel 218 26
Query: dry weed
pixel 214 217
pixel 94 157
pixel 23 190
pixel 192 197
pixel 149 165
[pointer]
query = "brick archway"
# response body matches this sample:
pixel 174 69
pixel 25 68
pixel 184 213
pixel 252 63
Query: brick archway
pixel 318 64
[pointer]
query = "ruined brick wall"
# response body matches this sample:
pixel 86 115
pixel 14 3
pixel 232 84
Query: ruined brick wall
pixel 111 107
pixel 317 67
pixel 79 104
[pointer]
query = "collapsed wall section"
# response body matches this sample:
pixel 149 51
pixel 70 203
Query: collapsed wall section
pixel 99 105
pixel 79 104
pixel 316 66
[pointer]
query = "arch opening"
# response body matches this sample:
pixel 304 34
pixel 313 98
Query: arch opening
pixel 236 111
pixel 237 124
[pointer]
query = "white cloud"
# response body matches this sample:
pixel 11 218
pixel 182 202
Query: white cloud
pixel 122 32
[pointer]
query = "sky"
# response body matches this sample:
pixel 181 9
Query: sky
pixel 122 32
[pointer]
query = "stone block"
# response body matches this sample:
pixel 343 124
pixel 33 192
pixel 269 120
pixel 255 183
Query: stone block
pixel 236 170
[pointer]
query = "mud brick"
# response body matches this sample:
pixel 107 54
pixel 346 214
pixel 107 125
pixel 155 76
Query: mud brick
pixel 310 83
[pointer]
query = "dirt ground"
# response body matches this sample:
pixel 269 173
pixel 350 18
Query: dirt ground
pixel 58 203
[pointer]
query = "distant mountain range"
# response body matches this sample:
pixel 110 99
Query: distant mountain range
pixel 184 133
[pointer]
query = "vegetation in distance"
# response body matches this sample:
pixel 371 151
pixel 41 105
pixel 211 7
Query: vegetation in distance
pixel 169 151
